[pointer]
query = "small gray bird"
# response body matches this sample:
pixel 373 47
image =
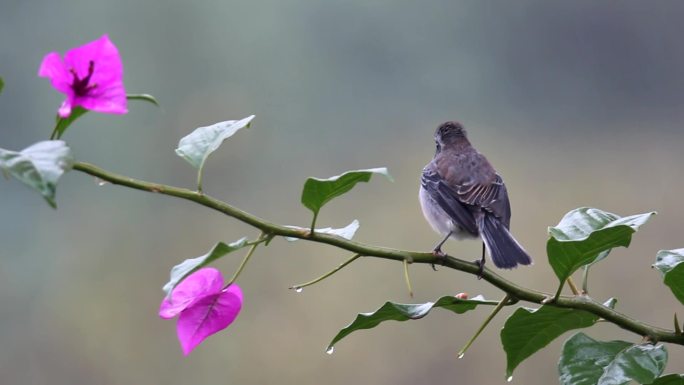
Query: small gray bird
pixel 462 196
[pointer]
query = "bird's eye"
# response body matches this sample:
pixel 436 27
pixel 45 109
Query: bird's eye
pixel 437 147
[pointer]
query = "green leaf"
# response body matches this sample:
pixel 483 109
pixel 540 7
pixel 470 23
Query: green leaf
pixel 391 311
pixel 585 361
pixel 584 234
pixel 196 147
pixel 669 262
pixel 670 379
pixel 346 232
pixel 528 330
pixel 191 265
pixel 318 192
pixel 199 144
pixel 641 363
pixel 144 97
pixel 2 84
pixel 39 166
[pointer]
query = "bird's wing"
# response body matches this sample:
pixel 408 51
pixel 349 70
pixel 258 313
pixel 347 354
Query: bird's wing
pixel 494 199
pixel 475 182
pixel 448 200
pixel 490 196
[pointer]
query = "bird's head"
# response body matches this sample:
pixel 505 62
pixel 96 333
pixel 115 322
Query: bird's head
pixel 448 133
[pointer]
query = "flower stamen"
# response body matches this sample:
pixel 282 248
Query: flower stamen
pixel 81 86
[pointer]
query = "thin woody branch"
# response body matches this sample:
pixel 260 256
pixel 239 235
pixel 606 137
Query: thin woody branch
pixel 513 290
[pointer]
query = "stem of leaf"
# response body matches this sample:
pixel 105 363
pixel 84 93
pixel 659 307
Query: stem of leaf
pixel 53 136
pixel 558 292
pixel 406 277
pixel 573 287
pixel 199 178
pixel 585 280
pixel 313 221
pixel 262 238
pixel 328 274
pixel 496 310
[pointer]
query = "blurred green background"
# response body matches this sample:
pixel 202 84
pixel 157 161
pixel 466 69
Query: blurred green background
pixel 576 104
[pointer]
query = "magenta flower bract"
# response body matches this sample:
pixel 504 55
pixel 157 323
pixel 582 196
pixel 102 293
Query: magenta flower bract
pixel 203 305
pixel 91 76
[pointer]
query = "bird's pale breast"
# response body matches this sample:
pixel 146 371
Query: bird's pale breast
pixel 438 219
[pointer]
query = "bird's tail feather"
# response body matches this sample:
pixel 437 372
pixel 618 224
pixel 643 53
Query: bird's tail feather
pixel 505 251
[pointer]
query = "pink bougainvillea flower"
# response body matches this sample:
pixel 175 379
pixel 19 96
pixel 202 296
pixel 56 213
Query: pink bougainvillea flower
pixel 91 76
pixel 207 316
pixel 203 282
pixel 203 305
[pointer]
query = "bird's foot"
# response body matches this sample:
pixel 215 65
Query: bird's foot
pixel 437 252
pixel 480 267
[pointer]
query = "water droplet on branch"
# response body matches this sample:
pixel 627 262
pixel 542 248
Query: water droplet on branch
pixel 330 350
pixel 509 379
pixel 298 289
pixel 460 355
